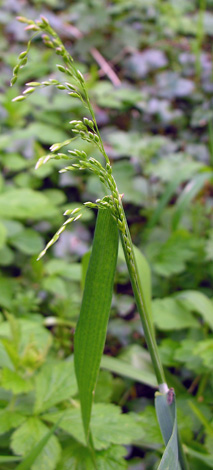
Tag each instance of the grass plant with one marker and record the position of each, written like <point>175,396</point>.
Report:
<point>111,221</point>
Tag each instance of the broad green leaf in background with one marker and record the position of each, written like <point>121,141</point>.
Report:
<point>13,227</point>
<point>38,445</point>
<point>5,360</point>
<point>189,192</point>
<point>6,256</point>
<point>148,421</point>
<point>92,325</point>
<point>15,162</point>
<point>186,354</point>
<point>170,314</point>
<point>173,167</point>
<point>30,331</point>
<point>166,414</point>
<point>7,290</point>
<point>3,235</point>
<point>61,376</point>
<point>204,350</point>
<point>78,457</point>
<point>199,303</point>
<point>9,420</point>
<point>56,286</point>
<point>71,271</point>
<point>108,425</point>
<point>24,204</point>
<point>104,387</point>
<point>44,133</point>
<point>28,241</point>
<point>170,257</point>
<point>12,380</point>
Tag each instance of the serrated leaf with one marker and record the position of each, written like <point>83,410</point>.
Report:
<point>31,332</point>
<point>92,325</point>
<point>171,257</point>
<point>61,376</point>
<point>11,380</point>
<point>70,271</point>
<point>186,354</point>
<point>78,457</point>
<point>35,442</point>
<point>108,425</point>
<point>9,420</point>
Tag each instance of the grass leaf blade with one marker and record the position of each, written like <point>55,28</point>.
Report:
<point>117,366</point>
<point>92,325</point>
<point>188,194</point>
<point>28,461</point>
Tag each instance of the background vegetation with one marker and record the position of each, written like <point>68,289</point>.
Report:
<point>154,107</point>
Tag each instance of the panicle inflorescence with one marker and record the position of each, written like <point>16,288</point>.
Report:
<point>86,129</point>
<point>50,39</point>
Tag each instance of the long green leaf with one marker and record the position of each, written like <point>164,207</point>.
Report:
<point>126,370</point>
<point>92,325</point>
<point>189,192</point>
<point>166,414</point>
<point>34,453</point>
<point>203,420</point>
<point>165,198</point>
<point>207,459</point>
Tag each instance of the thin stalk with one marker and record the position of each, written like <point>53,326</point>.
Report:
<point>102,149</point>
<point>141,305</point>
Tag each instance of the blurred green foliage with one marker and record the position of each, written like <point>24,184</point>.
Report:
<point>158,132</point>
